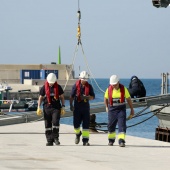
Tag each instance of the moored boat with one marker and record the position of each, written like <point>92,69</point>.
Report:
<point>163,130</point>
<point>26,104</point>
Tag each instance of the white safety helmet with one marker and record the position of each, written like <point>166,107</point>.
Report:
<point>84,75</point>
<point>51,78</point>
<point>114,79</point>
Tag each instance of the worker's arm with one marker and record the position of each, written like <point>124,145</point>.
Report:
<point>62,100</point>
<point>129,101</point>
<point>106,103</point>
<point>71,100</point>
<point>39,111</point>
<point>40,99</point>
<point>62,112</point>
<point>71,103</point>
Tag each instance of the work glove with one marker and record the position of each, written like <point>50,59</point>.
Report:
<point>107,109</point>
<point>39,111</point>
<point>71,108</point>
<point>62,112</point>
<point>129,117</point>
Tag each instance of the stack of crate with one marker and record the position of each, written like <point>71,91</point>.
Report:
<point>162,134</point>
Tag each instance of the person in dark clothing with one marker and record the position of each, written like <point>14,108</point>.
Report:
<point>136,88</point>
<point>50,94</point>
<point>81,93</point>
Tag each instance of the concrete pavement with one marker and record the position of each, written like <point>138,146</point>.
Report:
<point>22,146</point>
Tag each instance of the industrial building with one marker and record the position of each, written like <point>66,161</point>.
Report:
<point>28,79</point>
<point>15,74</point>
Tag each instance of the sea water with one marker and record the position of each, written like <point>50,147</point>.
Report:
<point>145,129</point>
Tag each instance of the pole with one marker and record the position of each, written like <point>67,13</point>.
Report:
<point>59,56</point>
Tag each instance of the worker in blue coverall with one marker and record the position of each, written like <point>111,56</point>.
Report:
<point>114,100</point>
<point>81,93</point>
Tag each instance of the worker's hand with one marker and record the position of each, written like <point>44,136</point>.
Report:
<point>107,109</point>
<point>62,112</point>
<point>129,117</point>
<point>83,97</point>
<point>39,111</point>
<point>71,108</point>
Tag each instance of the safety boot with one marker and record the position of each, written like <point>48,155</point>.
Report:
<point>56,141</point>
<point>77,139</point>
<point>122,144</point>
<point>86,144</point>
<point>49,144</point>
<point>110,143</point>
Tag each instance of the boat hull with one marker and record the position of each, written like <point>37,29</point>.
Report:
<point>163,116</point>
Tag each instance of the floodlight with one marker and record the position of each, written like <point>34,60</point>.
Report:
<point>160,3</point>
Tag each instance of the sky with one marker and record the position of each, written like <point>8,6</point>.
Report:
<point>118,37</point>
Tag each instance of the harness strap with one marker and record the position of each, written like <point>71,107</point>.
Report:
<point>122,94</point>
<point>78,84</point>
<point>47,91</point>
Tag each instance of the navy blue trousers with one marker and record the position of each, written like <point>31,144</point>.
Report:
<point>117,117</point>
<point>81,115</point>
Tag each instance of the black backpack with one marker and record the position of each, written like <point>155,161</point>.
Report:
<point>142,88</point>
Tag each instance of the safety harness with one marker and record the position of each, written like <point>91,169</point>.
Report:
<point>47,91</point>
<point>78,83</point>
<point>122,93</point>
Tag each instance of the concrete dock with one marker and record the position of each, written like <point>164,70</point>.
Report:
<point>22,146</point>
